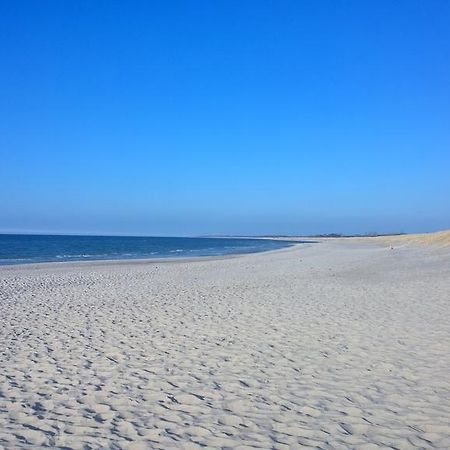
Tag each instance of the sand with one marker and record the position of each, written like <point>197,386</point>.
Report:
<point>440,238</point>
<point>337,345</point>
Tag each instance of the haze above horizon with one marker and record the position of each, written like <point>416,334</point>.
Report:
<point>244,118</point>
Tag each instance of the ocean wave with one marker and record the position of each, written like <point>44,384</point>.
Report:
<point>16,249</point>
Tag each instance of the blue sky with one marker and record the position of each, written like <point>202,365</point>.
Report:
<point>184,118</point>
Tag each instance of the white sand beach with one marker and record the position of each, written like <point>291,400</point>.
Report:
<point>344,344</point>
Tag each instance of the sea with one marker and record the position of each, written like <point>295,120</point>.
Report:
<point>28,248</point>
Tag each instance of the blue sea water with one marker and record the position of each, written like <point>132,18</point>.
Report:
<point>21,248</point>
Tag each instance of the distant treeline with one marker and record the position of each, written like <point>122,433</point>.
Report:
<point>334,235</point>
<point>326,235</point>
<point>373,234</point>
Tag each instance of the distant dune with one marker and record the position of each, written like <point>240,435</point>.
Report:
<point>441,238</point>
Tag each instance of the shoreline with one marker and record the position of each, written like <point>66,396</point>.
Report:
<point>126,254</point>
<point>437,239</point>
<point>137,261</point>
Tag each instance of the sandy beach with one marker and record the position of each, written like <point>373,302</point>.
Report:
<point>343,344</point>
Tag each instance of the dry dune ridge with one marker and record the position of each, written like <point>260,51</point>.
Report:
<point>441,238</point>
<point>342,344</point>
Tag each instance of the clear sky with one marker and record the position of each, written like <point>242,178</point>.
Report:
<point>249,117</point>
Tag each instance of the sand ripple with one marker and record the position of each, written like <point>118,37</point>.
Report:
<point>332,346</point>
